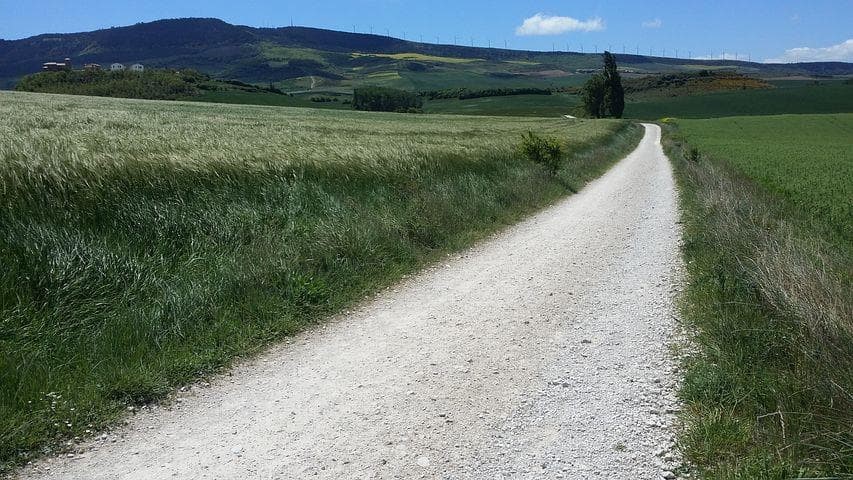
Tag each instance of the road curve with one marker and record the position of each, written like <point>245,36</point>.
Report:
<point>540,353</point>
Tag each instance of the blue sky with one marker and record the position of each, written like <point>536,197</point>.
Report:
<point>782,30</point>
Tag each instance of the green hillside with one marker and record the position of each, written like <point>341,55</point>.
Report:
<point>300,56</point>
<point>321,68</point>
<point>686,95</point>
<point>160,84</point>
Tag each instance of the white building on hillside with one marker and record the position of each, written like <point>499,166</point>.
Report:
<point>57,66</point>
<point>137,67</point>
<point>116,67</point>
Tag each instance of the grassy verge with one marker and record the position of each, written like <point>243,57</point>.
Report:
<point>769,394</point>
<point>147,243</point>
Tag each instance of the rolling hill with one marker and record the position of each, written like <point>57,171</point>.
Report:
<point>302,58</point>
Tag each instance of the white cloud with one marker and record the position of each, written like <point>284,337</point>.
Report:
<point>541,24</point>
<point>843,52</point>
<point>656,23</point>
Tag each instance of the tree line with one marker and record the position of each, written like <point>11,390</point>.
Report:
<point>465,93</point>
<point>383,99</point>
<point>150,84</point>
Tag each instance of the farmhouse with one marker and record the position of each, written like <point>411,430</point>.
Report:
<point>57,66</point>
<point>116,67</point>
<point>137,67</point>
<point>92,66</point>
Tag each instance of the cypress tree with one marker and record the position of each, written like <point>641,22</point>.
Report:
<point>614,93</point>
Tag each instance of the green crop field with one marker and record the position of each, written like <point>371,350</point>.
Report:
<point>555,105</point>
<point>145,243</point>
<point>270,99</point>
<point>805,159</point>
<point>461,77</point>
<point>768,247</point>
<point>790,97</point>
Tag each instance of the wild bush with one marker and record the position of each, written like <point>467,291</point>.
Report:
<point>593,97</point>
<point>693,154</point>
<point>545,151</point>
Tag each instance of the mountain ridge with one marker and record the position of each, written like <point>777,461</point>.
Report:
<point>254,54</point>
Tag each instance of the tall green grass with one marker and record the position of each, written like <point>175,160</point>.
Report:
<point>147,243</point>
<point>769,393</point>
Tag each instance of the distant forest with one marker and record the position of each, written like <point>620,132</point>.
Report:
<point>465,93</point>
<point>151,84</point>
<point>381,99</point>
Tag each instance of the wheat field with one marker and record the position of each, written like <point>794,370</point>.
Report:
<point>148,243</point>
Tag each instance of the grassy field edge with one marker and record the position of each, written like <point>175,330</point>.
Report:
<point>769,376</point>
<point>46,425</point>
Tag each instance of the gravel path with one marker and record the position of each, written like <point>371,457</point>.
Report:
<point>540,353</point>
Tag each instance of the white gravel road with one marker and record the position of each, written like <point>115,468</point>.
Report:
<point>540,353</point>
